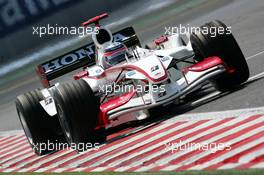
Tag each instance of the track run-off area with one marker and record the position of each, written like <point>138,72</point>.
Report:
<point>216,140</point>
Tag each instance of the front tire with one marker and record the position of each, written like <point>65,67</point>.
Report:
<point>226,47</point>
<point>42,131</point>
<point>78,110</point>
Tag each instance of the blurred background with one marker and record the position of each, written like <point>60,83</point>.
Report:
<point>17,17</point>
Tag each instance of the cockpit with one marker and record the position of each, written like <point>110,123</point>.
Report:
<point>114,54</point>
<point>110,53</point>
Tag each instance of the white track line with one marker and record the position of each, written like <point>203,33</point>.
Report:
<point>209,96</point>
<point>251,156</point>
<point>145,168</point>
<point>11,133</point>
<point>257,54</point>
<point>99,169</point>
<point>229,166</point>
<point>257,76</point>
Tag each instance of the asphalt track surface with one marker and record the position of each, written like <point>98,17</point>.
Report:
<point>246,19</point>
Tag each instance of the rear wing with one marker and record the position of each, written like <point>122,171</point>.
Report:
<point>81,57</point>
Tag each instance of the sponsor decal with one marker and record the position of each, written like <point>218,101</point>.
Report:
<point>163,59</point>
<point>98,71</point>
<point>154,68</point>
<point>48,101</point>
<point>131,73</point>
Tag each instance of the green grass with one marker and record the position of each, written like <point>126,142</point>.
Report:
<point>218,172</point>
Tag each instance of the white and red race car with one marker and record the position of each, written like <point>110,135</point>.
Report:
<point>121,81</point>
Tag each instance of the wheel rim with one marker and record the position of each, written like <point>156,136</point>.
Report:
<point>64,123</point>
<point>25,127</point>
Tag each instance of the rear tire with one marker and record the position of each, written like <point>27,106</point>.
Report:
<point>78,110</point>
<point>224,46</point>
<point>40,129</point>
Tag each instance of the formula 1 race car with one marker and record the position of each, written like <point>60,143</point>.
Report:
<point>121,81</point>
